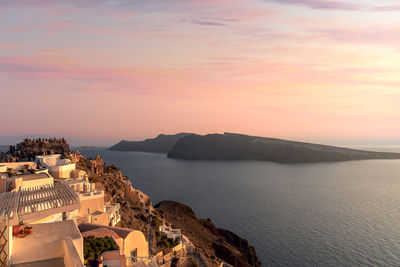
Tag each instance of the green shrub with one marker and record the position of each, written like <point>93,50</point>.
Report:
<point>97,245</point>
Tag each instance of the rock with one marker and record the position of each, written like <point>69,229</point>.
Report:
<point>161,144</point>
<point>97,165</point>
<point>242,147</point>
<point>213,242</point>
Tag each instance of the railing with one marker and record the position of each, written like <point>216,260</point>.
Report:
<point>141,262</point>
<point>113,207</point>
<point>92,193</point>
<point>205,260</point>
<point>191,250</point>
<point>116,219</point>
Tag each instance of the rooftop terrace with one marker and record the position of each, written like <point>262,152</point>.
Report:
<point>30,204</point>
<point>50,245</point>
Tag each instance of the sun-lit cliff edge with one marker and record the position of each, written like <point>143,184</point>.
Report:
<point>231,146</point>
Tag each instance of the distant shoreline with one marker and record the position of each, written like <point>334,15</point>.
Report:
<point>231,146</point>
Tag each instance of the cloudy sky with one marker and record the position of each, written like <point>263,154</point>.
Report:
<point>98,71</point>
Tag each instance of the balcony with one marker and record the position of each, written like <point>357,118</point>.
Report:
<point>92,194</point>
<point>113,208</point>
<point>113,213</point>
<point>141,262</point>
<point>117,218</point>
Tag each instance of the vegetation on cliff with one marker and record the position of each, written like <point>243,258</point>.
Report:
<point>242,147</point>
<point>93,246</point>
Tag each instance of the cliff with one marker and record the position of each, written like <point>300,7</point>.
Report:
<point>211,241</point>
<point>161,144</point>
<point>29,148</point>
<point>242,147</point>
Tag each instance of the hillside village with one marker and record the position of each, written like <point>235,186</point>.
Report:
<point>58,208</point>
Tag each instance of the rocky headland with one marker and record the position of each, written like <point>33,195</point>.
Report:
<point>161,144</point>
<point>215,243</point>
<point>231,146</point>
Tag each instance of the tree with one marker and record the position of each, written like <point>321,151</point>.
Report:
<point>97,245</point>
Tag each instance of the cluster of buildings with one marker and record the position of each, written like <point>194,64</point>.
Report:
<point>47,207</point>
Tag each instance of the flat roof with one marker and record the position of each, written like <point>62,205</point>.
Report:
<point>35,176</point>
<point>38,202</point>
<point>45,244</point>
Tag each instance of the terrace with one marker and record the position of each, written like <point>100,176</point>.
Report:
<point>36,203</point>
<point>92,194</point>
<point>48,243</point>
<point>113,211</point>
<point>170,232</point>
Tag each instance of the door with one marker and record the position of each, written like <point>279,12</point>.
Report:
<point>134,255</point>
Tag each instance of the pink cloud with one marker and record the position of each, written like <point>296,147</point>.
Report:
<point>45,51</point>
<point>97,78</point>
<point>7,45</point>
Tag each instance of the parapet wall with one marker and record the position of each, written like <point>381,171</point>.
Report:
<point>17,165</point>
<point>63,171</point>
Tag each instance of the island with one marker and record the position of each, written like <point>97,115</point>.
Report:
<point>231,146</point>
<point>161,144</point>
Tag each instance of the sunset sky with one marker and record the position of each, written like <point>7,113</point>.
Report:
<point>98,71</point>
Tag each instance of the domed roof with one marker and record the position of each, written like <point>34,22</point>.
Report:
<point>121,232</point>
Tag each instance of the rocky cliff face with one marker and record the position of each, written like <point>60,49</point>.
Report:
<point>242,147</point>
<point>215,243</point>
<point>161,144</point>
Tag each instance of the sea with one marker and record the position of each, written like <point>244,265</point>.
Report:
<point>314,214</point>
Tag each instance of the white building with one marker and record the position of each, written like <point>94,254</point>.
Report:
<point>170,232</point>
<point>58,167</point>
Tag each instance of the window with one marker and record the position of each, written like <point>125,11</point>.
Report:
<point>8,186</point>
<point>88,210</point>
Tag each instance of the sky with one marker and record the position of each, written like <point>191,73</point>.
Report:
<point>98,71</point>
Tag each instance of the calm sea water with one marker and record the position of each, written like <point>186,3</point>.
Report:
<point>323,214</point>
